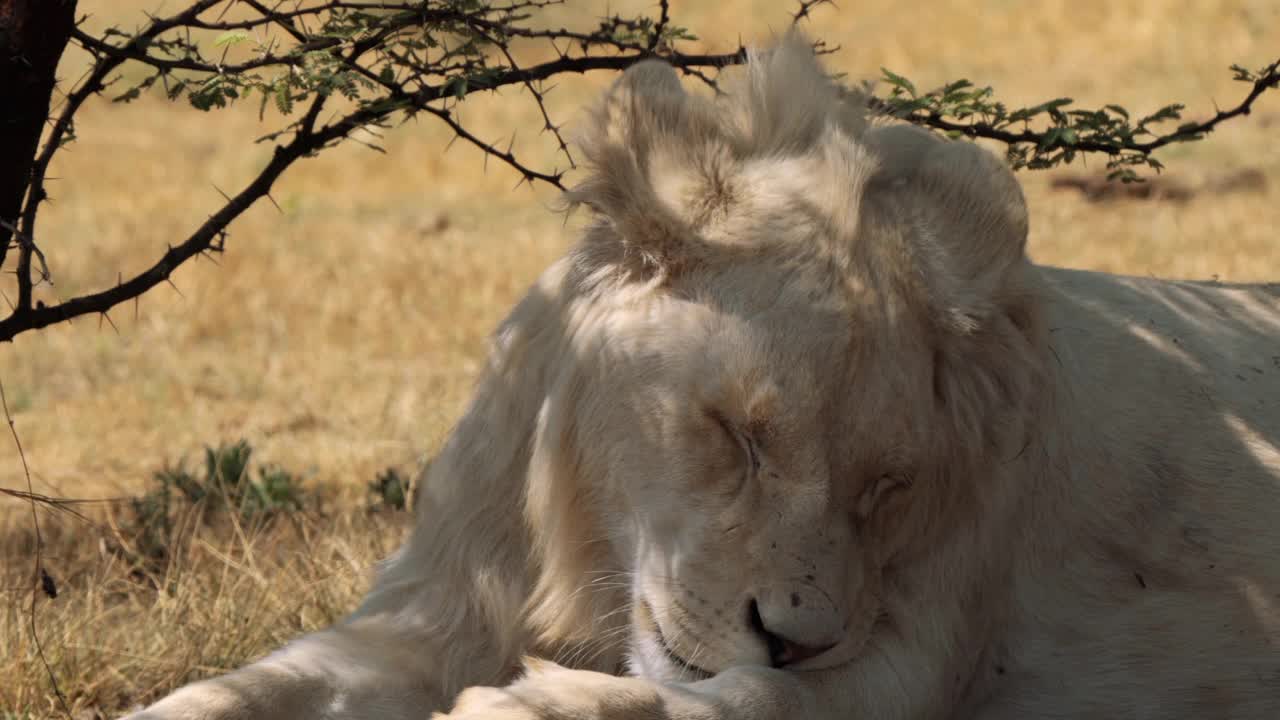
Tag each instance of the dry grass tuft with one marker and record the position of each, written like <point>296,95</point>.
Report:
<point>125,627</point>
<point>341,335</point>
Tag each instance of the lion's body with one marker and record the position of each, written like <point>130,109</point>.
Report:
<point>797,430</point>
<point>1147,582</point>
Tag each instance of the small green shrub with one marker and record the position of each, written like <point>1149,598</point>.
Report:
<point>389,490</point>
<point>226,486</point>
<point>276,490</point>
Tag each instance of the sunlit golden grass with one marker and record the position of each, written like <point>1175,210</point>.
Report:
<point>341,333</point>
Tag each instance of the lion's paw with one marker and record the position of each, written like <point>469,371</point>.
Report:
<point>491,703</point>
<point>550,692</point>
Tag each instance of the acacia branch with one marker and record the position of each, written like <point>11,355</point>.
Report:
<point>207,237</point>
<point>961,110</point>
<point>1270,78</point>
<point>493,25</point>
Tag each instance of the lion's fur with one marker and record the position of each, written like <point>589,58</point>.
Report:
<point>1015,491</point>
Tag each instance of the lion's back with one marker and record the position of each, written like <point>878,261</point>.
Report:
<point>1165,353</point>
<point>1174,516</point>
<point>1180,385</point>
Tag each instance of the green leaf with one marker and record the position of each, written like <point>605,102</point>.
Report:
<point>176,89</point>
<point>1048,139</point>
<point>1168,112</point>
<point>1118,111</point>
<point>1124,175</point>
<point>1049,107</point>
<point>231,37</point>
<point>898,81</point>
<point>1242,74</point>
<point>128,96</point>
<point>284,100</point>
<point>457,86</point>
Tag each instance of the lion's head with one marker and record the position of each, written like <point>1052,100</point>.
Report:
<point>797,342</point>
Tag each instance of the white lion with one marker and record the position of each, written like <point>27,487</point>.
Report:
<point>797,431</point>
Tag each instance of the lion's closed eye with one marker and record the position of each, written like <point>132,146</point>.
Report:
<point>876,492</point>
<point>742,447</point>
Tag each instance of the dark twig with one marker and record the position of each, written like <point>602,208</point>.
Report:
<point>89,86</point>
<point>806,9</point>
<point>199,241</point>
<point>664,17</point>
<point>63,505</point>
<point>527,173</point>
<point>38,572</point>
<point>547,125</point>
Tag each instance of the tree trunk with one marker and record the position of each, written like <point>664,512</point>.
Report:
<point>33,34</point>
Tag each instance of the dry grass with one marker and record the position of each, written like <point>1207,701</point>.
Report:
<point>341,335</point>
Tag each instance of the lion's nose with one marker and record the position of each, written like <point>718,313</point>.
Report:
<point>784,650</point>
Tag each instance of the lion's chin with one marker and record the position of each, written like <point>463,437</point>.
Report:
<point>652,658</point>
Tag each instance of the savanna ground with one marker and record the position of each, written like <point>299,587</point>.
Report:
<point>340,335</point>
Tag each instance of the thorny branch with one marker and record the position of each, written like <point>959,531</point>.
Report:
<point>392,60</point>
<point>962,110</point>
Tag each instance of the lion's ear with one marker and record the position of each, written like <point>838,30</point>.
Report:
<point>966,218</point>
<point>644,106</point>
<point>965,222</point>
<point>782,102</point>
<point>640,130</point>
<point>665,166</point>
